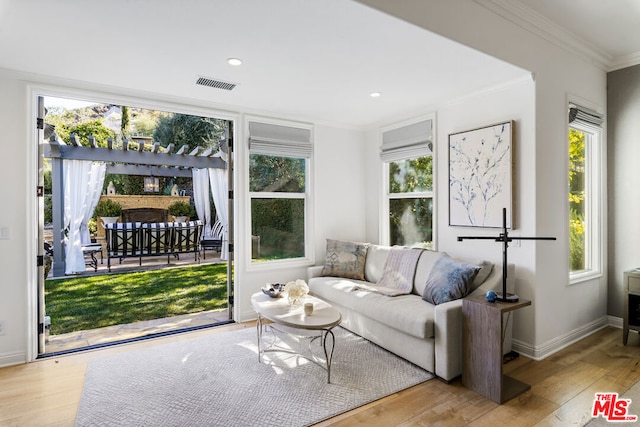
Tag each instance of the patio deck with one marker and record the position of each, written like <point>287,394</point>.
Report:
<point>110,334</point>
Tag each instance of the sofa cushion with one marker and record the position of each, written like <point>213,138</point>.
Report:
<point>374,265</point>
<point>405,313</point>
<point>345,259</point>
<point>449,280</point>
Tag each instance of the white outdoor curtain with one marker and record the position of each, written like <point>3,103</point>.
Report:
<point>220,191</point>
<point>82,182</point>
<point>201,199</point>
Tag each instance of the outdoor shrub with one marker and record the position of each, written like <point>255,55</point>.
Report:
<point>181,209</point>
<point>107,208</point>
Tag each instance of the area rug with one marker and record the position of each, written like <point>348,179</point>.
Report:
<point>218,381</point>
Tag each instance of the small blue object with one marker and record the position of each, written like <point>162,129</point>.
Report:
<point>492,296</point>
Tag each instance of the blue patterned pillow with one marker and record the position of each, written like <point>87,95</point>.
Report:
<point>345,259</point>
<point>449,280</point>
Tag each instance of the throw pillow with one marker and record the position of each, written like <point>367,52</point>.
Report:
<point>345,259</point>
<point>400,269</point>
<point>449,280</point>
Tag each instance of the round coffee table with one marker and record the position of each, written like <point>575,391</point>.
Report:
<point>278,311</point>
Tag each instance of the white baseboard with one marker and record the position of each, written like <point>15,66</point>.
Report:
<point>558,343</point>
<point>10,359</point>
<point>615,322</point>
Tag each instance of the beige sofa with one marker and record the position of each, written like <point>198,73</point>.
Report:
<point>421,332</point>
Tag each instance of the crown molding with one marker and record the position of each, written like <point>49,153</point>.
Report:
<point>538,24</point>
<point>625,61</point>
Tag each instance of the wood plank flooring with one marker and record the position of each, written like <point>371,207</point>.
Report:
<point>47,392</point>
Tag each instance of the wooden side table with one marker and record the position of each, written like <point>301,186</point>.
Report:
<point>631,313</point>
<point>482,339</point>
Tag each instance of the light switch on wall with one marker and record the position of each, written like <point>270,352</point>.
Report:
<point>4,233</point>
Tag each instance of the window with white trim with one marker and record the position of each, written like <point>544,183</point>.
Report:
<point>585,194</point>
<point>279,162</point>
<point>407,155</point>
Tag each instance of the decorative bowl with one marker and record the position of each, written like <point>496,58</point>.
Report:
<point>274,290</point>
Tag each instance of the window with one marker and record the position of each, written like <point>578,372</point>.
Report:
<point>279,158</point>
<point>408,169</point>
<point>585,194</point>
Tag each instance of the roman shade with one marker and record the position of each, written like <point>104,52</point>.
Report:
<point>414,140</point>
<point>279,140</point>
<point>583,115</point>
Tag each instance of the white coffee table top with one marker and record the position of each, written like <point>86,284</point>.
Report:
<point>278,310</point>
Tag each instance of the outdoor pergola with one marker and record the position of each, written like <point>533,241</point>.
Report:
<point>156,162</point>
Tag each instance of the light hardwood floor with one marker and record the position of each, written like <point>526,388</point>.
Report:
<point>47,392</point>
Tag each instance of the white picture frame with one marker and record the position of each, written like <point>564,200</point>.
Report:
<point>480,176</point>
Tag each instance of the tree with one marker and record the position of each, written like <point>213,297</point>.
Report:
<point>92,128</point>
<point>411,217</point>
<point>192,131</point>
<point>124,124</point>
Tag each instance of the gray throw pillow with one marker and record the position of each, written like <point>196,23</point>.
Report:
<point>449,280</point>
<point>345,259</point>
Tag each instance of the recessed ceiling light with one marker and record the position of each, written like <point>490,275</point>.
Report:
<point>234,61</point>
<point>375,94</point>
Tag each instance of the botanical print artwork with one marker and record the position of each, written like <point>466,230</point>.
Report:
<point>480,176</point>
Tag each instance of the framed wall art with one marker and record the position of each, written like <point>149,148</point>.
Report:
<point>480,176</point>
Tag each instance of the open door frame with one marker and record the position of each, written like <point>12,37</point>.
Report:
<point>40,216</point>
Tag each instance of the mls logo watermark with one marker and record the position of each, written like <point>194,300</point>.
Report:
<point>612,408</point>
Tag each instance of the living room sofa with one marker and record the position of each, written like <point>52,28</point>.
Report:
<point>354,279</point>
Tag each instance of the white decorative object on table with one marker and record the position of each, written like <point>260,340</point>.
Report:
<point>308,308</point>
<point>296,291</point>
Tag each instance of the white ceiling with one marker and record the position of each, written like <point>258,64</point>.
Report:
<point>302,58</point>
<point>611,27</point>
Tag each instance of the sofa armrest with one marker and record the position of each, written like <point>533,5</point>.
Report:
<point>314,271</point>
<point>448,326</point>
<point>448,339</point>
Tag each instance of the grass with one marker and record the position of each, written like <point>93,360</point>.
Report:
<point>82,303</point>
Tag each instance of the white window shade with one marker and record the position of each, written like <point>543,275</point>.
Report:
<point>414,140</point>
<point>279,140</point>
<point>578,114</point>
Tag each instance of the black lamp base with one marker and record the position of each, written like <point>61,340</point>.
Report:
<point>509,298</point>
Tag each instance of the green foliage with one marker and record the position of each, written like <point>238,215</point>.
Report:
<point>181,209</point>
<point>108,208</point>
<point>576,197</point>
<point>95,128</point>
<point>193,131</point>
<point>576,241</point>
<point>145,124</point>
<point>48,209</point>
<point>82,303</point>
<point>276,174</point>
<point>411,175</point>
<point>279,223</point>
<point>411,218</point>
<point>92,225</point>
<point>124,124</point>
<point>411,221</point>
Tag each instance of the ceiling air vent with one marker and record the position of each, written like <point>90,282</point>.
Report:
<point>218,84</point>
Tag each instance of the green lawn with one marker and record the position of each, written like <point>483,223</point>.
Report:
<point>82,303</point>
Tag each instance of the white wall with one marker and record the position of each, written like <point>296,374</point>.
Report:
<point>18,186</point>
<point>513,101</point>
<point>338,199</point>
<point>562,313</point>
<point>338,210</point>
